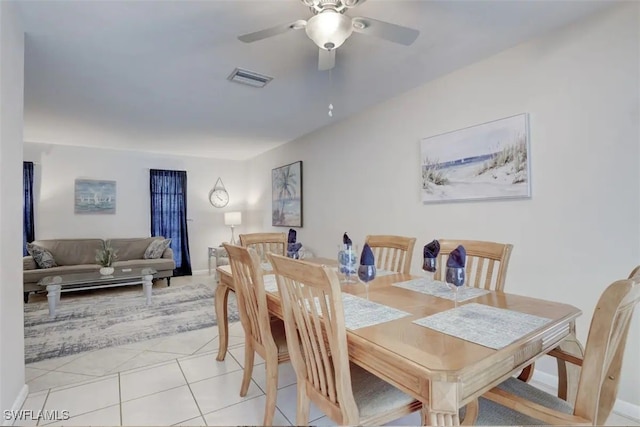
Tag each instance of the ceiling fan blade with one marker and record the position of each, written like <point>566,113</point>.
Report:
<point>326,59</point>
<point>385,30</point>
<point>273,31</point>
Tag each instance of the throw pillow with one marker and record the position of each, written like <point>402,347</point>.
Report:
<point>156,248</point>
<point>41,256</point>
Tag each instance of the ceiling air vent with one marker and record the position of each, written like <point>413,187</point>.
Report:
<point>250,78</point>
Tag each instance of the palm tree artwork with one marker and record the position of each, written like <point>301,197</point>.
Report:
<point>286,182</point>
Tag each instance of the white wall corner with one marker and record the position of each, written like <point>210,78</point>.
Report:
<point>17,404</point>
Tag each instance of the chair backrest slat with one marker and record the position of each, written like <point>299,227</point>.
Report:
<point>251,295</point>
<point>316,335</point>
<point>265,243</point>
<point>478,252</point>
<point>392,253</point>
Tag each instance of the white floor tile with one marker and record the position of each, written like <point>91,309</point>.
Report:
<point>149,381</point>
<point>32,373</point>
<point>109,416</point>
<point>287,402</point>
<point>145,359</point>
<point>201,367</point>
<point>34,402</point>
<point>185,343</point>
<point>56,379</point>
<point>209,347</point>
<point>85,398</point>
<point>197,421</point>
<point>236,329</point>
<point>99,362</point>
<point>160,409</point>
<point>286,375</point>
<point>52,364</point>
<point>250,412</point>
<point>238,354</point>
<point>221,391</point>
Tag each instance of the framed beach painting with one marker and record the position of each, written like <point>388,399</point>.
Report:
<point>286,195</point>
<point>95,197</point>
<point>487,161</point>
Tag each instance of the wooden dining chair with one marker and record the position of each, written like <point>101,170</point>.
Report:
<point>569,373</point>
<point>262,334</point>
<point>317,339</point>
<point>265,243</point>
<point>515,402</point>
<point>392,253</point>
<point>487,262</point>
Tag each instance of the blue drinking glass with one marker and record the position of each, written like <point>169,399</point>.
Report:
<point>429,265</point>
<point>456,277</point>
<point>367,273</point>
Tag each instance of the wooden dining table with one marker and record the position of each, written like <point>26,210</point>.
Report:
<point>440,370</point>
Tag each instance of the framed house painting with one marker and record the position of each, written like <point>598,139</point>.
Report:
<point>486,161</point>
<point>95,197</point>
<point>286,195</point>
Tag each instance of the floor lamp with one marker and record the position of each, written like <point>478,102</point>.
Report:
<point>232,219</point>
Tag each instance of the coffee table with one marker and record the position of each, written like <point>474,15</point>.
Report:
<point>55,285</point>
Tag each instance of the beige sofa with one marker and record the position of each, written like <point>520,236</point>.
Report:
<point>79,256</point>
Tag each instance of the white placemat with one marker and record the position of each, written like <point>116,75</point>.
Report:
<point>440,289</point>
<point>270,284</point>
<point>379,273</point>
<point>481,324</point>
<point>360,313</point>
<point>266,266</point>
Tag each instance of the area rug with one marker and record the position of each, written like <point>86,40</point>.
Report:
<point>87,322</point>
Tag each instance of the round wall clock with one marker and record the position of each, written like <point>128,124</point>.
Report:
<point>218,196</point>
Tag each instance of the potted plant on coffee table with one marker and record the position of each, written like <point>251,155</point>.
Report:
<point>105,257</point>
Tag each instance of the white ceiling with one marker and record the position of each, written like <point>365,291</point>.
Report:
<point>152,75</point>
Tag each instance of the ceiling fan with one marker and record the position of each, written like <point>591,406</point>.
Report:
<point>329,27</point>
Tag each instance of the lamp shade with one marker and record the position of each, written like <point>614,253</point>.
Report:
<point>233,218</point>
<point>329,29</point>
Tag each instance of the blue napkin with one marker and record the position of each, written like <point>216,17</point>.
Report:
<point>346,240</point>
<point>457,257</point>
<point>367,257</point>
<point>431,250</point>
<point>292,246</point>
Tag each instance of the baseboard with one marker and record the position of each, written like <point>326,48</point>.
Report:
<point>621,407</point>
<point>17,404</point>
<point>204,272</point>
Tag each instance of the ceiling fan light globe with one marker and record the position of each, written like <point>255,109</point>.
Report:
<point>329,29</point>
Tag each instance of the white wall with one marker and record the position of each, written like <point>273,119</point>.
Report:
<point>57,167</point>
<point>12,374</point>
<point>577,234</point>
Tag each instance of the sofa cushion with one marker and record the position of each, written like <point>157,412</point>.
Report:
<point>42,257</point>
<point>158,264</point>
<point>32,276</point>
<point>156,248</point>
<point>131,248</point>
<point>28,263</point>
<point>72,251</point>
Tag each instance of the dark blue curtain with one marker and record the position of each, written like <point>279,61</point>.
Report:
<point>28,228</point>
<point>169,214</point>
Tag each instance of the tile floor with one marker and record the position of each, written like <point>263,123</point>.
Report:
<point>167,381</point>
